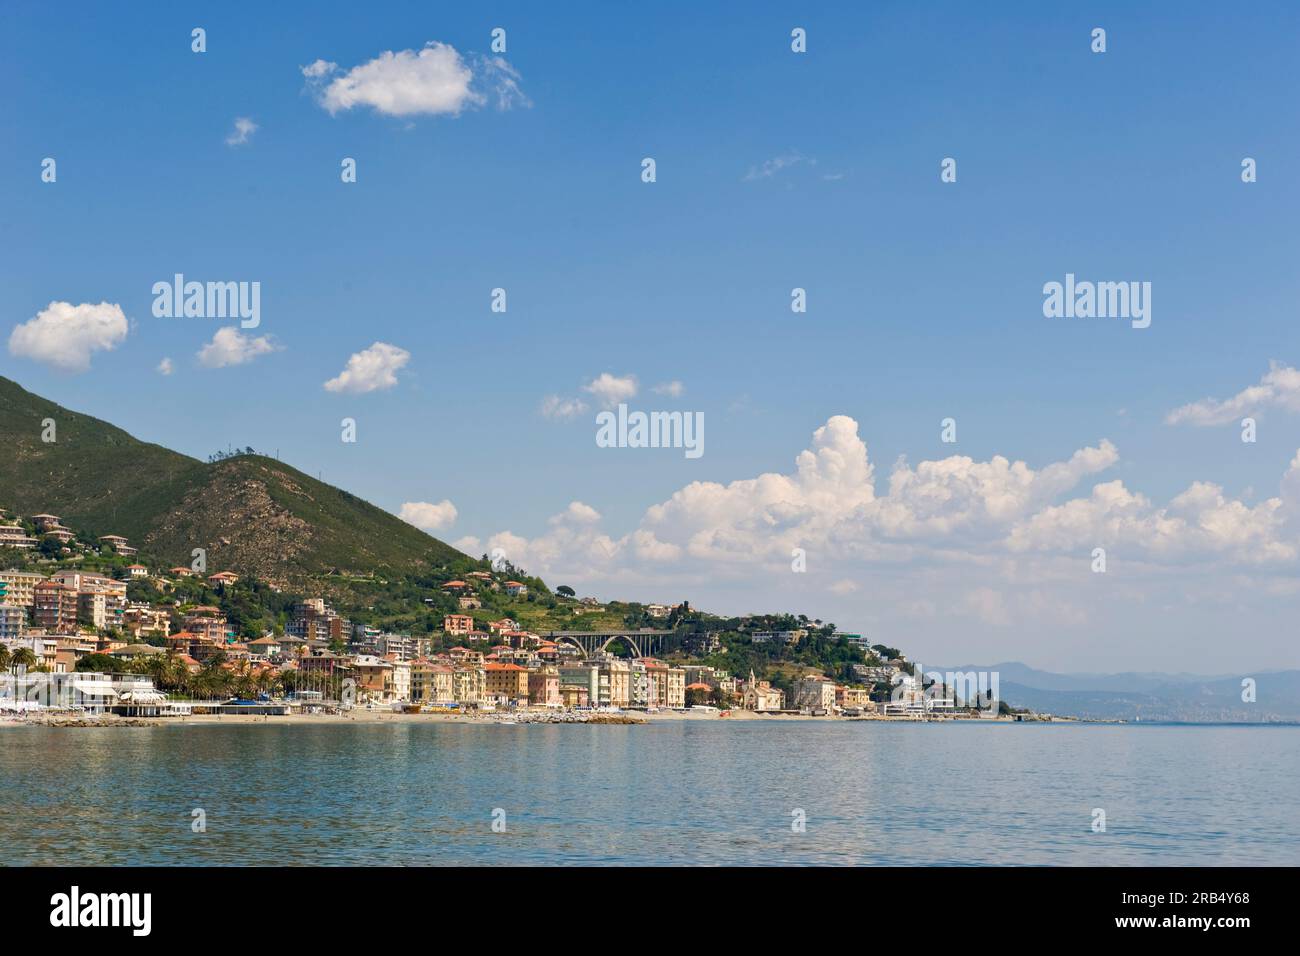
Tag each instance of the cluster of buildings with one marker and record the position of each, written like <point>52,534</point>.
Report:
<point>65,615</point>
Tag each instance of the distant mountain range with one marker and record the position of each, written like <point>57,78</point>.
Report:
<point>253,514</point>
<point>1146,696</point>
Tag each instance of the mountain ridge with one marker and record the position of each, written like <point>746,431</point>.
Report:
<point>250,513</point>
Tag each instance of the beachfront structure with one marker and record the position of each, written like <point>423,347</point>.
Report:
<point>374,677</point>
<point>544,688</point>
<point>469,684</point>
<point>507,681</point>
<point>667,685</point>
<point>432,683</point>
<point>614,684</point>
<point>760,695</point>
<point>583,676</point>
<point>859,697</point>
<point>86,691</point>
<point>816,693</point>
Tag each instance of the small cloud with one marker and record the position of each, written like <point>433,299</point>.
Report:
<point>469,545</point>
<point>370,370</point>
<point>64,336</point>
<point>165,367</point>
<point>610,390</point>
<point>673,389</point>
<point>314,71</point>
<point>429,517</point>
<point>844,586</point>
<point>777,164</point>
<point>230,346</point>
<point>435,80</point>
<point>562,409</point>
<point>244,128</point>
<point>576,513</point>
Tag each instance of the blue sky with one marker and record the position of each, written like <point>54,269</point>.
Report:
<point>925,298</point>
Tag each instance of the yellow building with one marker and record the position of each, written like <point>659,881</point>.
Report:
<point>21,591</point>
<point>506,680</point>
<point>432,683</point>
<point>468,684</point>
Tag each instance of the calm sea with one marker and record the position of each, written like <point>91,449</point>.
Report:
<point>667,793</point>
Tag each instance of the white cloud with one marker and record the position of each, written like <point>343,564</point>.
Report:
<point>429,517</point>
<point>64,336</point>
<point>230,346</point>
<point>673,389</point>
<point>244,129</point>
<point>769,168</point>
<point>960,557</point>
<point>1279,388</point>
<point>610,390</point>
<point>562,409</point>
<point>319,68</point>
<point>370,370</point>
<point>165,367</point>
<point>435,80</point>
<point>577,513</point>
<point>469,545</point>
<point>954,509</point>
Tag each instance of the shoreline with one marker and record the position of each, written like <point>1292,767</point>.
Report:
<point>525,718</point>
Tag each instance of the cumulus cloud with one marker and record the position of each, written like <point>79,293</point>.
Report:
<point>370,370</point>
<point>165,367</point>
<point>562,409</point>
<point>427,516</point>
<point>434,80</point>
<point>64,336</point>
<point>993,513</point>
<point>1279,388</point>
<point>243,130</point>
<point>469,545</point>
<point>230,346</point>
<point>609,390</point>
<point>673,389</point>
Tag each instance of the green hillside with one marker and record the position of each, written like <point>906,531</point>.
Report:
<point>251,513</point>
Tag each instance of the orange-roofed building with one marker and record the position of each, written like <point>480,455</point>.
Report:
<point>506,680</point>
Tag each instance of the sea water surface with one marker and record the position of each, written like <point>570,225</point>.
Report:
<point>670,792</point>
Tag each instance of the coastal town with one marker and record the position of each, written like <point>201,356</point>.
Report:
<point>87,628</point>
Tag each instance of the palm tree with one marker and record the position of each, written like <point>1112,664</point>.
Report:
<point>5,657</point>
<point>22,657</point>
